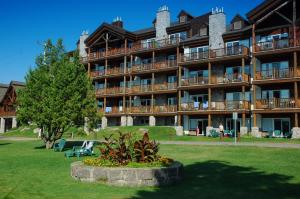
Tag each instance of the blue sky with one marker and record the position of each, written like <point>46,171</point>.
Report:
<point>26,24</point>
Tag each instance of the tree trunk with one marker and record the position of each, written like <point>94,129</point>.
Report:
<point>49,144</point>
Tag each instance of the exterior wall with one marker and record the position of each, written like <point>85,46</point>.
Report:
<point>217,26</point>
<point>163,20</point>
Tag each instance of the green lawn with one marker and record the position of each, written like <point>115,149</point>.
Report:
<point>157,133</point>
<point>30,171</point>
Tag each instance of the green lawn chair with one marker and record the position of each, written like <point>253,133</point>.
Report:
<point>85,150</point>
<point>227,133</point>
<point>214,133</point>
<point>277,134</point>
<point>60,145</point>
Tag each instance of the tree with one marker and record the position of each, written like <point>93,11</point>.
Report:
<point>58,93</point>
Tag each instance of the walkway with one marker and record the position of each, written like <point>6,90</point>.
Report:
<point>247,144</point>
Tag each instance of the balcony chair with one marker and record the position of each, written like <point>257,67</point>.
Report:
<point>277,134</point>
<point>60,145</point>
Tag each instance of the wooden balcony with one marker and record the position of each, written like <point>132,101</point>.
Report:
<point>193,106</point>
<point>115,110</point>
<point>277,103</point>
<point>100,91</point>
<point>275,45</point>
<point>156,66</point>
<point>155,44</point>
<point>194,81</point>
<point>165,108</point>
<point>96,55</point>
<point>97,73</point>
<point>115,71</point>
<point>277,74</point>
<point>165,86</point>
<point>115,91</point>
<point>140,88</point>
<point>230,105</point>
<point>141,109</point>
<point>214,54</point>
<point>230,79</point>
<point>7,113</point>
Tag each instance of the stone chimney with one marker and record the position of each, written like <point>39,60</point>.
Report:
<point>81,45</point>
<point>118,22</point>
<point>217,27</point>
<point>163,20</point>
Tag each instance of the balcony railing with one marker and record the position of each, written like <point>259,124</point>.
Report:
<point>276,103</point>
<point>154,66</point>
<point>216,53</point>
<point>230,105</point>
<point>138,46</point>
<point>115,71</point>
<point>165,86</point>
<point>277,74</point>
<point>228,79</point>
<point>140,88</point>
<point>274,45</point>
<point>115,90</point>
<point>7,113</point>
<point>165,108</point>
<point>192,81</point>
<point>141,109</point>
<point>115,110</point>
<point>194,106</point>
<point>115,51</point>
<point>97,73</point>
<point>100,91</point>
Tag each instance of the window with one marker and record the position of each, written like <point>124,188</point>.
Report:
<point>203,31</point>
<point>237,25</point>
<point>172,101</point>
<point>180,35</point>
<point>182,19</point>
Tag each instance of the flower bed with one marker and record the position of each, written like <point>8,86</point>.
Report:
<point>127,176</point>
<point>129,161</point>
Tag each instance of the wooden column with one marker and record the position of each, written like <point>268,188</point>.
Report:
<point>209,73</point>
<point>105,67</point>
<point>243,114</point>
<point>296,120</point>
<point>130,103</point>
<point>124,103</point>
<point>153,59</point>
<point>209,98</point>
<point>105,85</point>
<point>295,63</point>
<point>253,38</point>
<point>296,92</point>
<point>179,100</point>
<point>177,55</point>
<point>89,69</point>
<point>254,119</point>
<point>243,68</point>
<point>125,46</point>
<point>152,82</point>
<point>294,23</point>
<point>179,76</point>
<point>104,103</point>
<point>244,119</point>
<point>243,93</point>
<point>209,119</point>
<point>152,103</point>
<point>178,120</point>
<point>106,43</point>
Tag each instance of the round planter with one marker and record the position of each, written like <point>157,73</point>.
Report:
<point>123,176</point>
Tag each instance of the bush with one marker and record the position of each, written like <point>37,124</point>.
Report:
<point>127,149</point>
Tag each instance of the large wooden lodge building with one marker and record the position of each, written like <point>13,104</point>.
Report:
<point>196,71</point>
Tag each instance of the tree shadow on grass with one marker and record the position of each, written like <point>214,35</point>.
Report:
<point>3,144</point>
<point>215,179</point>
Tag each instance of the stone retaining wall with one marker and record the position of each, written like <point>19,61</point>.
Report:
<point>122,176</point>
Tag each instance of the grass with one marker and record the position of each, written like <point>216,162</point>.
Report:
<point>30,171</point>
<point>157,133</point>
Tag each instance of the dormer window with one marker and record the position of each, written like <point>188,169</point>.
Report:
<point>237,25</point>
<point>203,31</point>
<point>182,19</point>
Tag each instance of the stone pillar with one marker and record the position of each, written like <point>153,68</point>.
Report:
<point>295,133</point>
<point>255,132</point>
<point>14,122</point>
<point>129,121</point>
<point>86,125</point>
<point>179,130</point>
<point>123,120</point>
<point>151,120</point>
<point>104,122</point>
<point>2,125</point>
<point>243,130</point>
<point>208,128</point>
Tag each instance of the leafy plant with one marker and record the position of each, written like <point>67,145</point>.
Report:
<point>145,150</point>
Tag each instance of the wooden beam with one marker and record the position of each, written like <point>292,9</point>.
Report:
<point>209,73</point>
<point>270,13</point>
<point>254,120</point>
<point>296,120</point>
<point>243,119</point>
<point>209,120</point>
<point>253,38</point>
<point>296,90</point>
<point>284,17</point>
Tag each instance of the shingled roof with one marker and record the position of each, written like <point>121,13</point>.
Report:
<point>3,89</point>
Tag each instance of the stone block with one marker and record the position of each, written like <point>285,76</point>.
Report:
<point>208,128</point>
<point>152,120</point>
<point>179,130</point>
<point>255,132</point>
<point>296,133</point>
<point>123,120</point>
<point>104,122</point>
<point>129,121</point>
<point>243,130</point>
